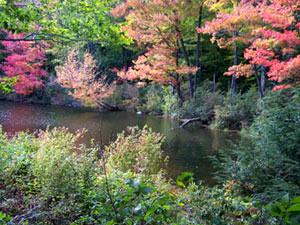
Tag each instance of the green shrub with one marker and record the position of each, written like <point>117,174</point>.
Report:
<point>203,104</point>
<point>278,124</point>
<point>212,206</point>
<point>62,182</point>
<point>154,100</point>
<point>4,219</point>
<point>15,160</point>
<point>125,97</point>
<point>266,165</point>
<point>287,210</point>
<point>237,112</point>
<point>59,166</point>
<point>127,198</point>
<point>138,151</point>
<point>171,106</point>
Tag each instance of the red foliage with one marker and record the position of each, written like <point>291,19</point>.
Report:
<point>276,41</point>
<point>24,62</point>
<point>271,30</point>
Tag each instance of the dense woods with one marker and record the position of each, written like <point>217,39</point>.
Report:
<point>225,64</point>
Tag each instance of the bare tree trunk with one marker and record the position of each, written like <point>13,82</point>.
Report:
<point>235,63</point>
<point>214,80</point>
<point>179,94</point>
<point>180,97</point>
<point>198,49</point>
<point>261,94</point>
<point>263,78</point>
<point>187,60</point>
<point>171,89</point>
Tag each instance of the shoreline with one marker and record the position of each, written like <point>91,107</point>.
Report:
<point>75,105</point>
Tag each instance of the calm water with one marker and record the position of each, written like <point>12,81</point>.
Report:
<point>187,148</point>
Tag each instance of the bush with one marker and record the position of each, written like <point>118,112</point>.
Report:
<point>267,165</point>
<point>287,210</point>
<point>278,124</point>
<point>42,172</point>
<point>139,151</point>
<point>203,104</point>
<point>125,97</point>
<point>57,181</point>
<point>237,112</point>
<point>171,106</point>
<point>59,166</point>
<point>153,100</point>
<point>127,198</point>
<point>15,161</point>
<point>215,205</point>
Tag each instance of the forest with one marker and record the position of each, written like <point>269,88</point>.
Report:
<point>230,65</point>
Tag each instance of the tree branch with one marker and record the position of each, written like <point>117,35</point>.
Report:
<point>48,37</point>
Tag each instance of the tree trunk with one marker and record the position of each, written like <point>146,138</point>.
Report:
<point>198,49</point>
<point>261,94</point>
<point>263,78</point>
<point>187,60</point>
<point>180,97</point>
<point>179,94</point>
<point>171,89</point>
<point>214,80</point>
<point>190,121</point>
<point>235,63</point>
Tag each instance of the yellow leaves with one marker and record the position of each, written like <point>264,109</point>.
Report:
<point>99,178</point>
<point>221,5</point>
<point>230,186</point>
<point>240,70</point>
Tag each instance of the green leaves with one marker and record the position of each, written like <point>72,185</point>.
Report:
<point>6,84</point>
<point>4,219</point>
<point>64,20</point>
<point>139,188</point>
<point>286,209</point>
<point>184,178</point>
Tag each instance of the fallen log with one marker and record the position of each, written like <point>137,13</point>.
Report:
<point>108,107</point>
<point>186,122</point>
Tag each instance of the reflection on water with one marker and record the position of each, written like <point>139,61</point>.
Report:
<point>187,148</point>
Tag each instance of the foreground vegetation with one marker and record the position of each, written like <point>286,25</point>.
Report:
<point>48,178</point>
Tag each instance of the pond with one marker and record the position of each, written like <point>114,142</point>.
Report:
<point>187,148</point>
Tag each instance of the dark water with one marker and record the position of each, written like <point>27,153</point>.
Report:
<point>187,148</point>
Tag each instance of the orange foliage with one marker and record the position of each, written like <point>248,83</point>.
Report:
<point>154,25</point>
<point>80,77</point>
<point>240,70</point>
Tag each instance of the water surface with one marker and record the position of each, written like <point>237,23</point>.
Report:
<point>187,148</point>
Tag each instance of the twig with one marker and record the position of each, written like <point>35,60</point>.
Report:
<point>27,216</point>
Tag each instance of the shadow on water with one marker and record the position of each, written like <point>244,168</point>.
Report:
<point>187,148</point>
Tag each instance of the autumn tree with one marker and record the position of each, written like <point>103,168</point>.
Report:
<point>276,41</point>
<point>230,27</point>
<point>80,77</point>
<point>24,64</point>
<point>271,31</point>
<point>156,28</point>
